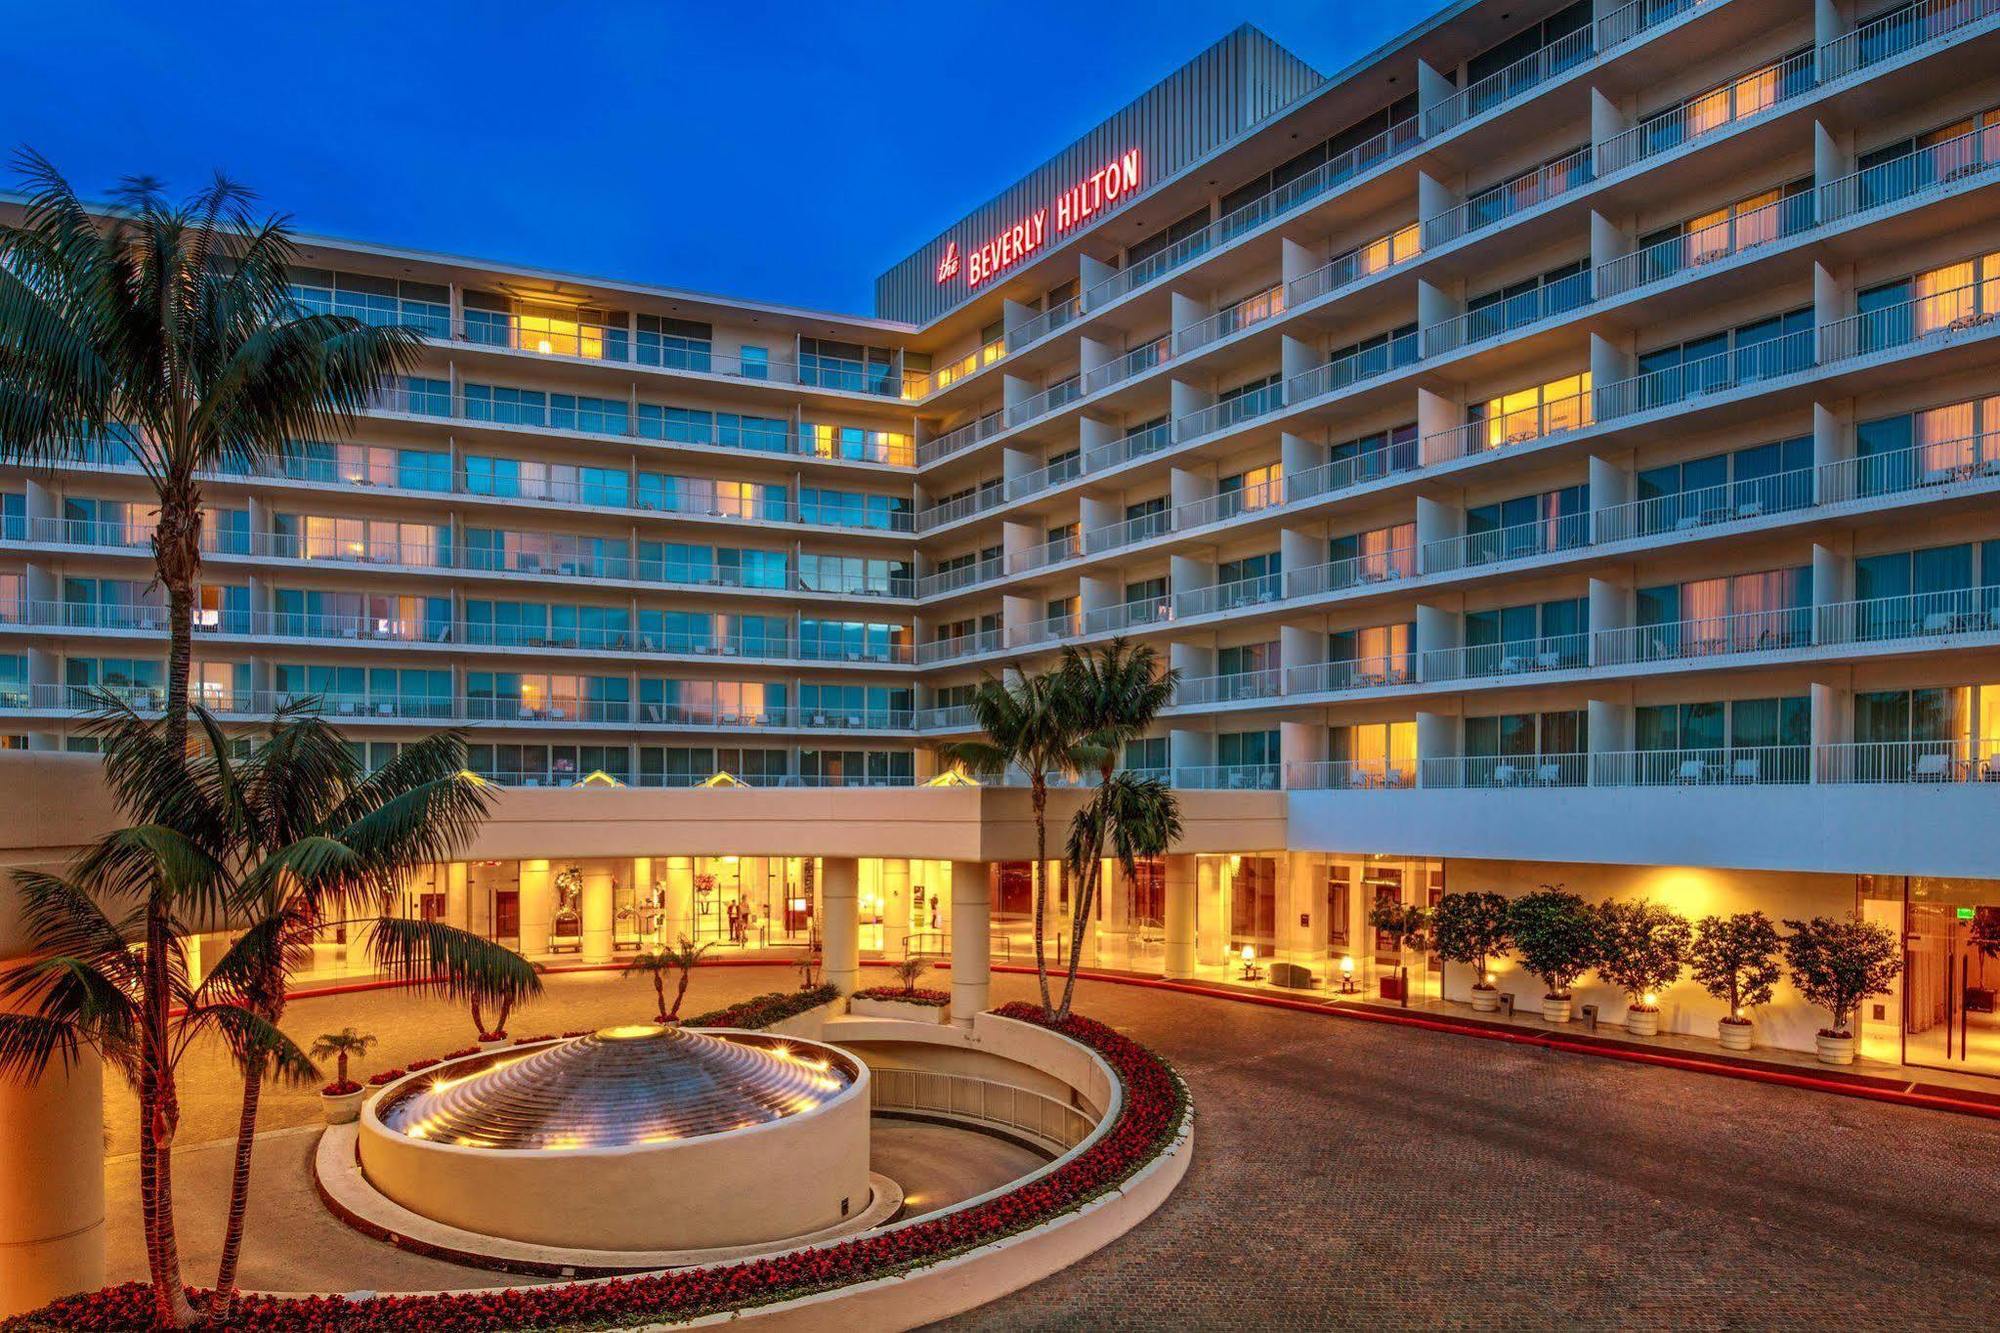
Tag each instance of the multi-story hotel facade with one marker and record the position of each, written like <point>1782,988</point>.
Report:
<point>1561,447</point>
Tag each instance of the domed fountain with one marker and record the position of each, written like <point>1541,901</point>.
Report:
<point>639,1138</point>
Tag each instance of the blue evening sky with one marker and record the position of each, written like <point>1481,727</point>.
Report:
<point>775,150</point>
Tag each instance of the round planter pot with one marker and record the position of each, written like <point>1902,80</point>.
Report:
<point>1642,1022</point>
<point>1834,1050</point>
<point>498,1043</point>
<point>1735,1036</point>
<point>342,1108</point>
<point>1555,1008</point>
<point>1485,1000</point>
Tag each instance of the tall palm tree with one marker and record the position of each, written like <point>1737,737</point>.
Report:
<point>85,985</point>
<point>1131,818</point>
<point>1116,693</point>
<point>311,843</point>
<point>1030,724</point>
<point>173,326</point>
<point>682,957</point>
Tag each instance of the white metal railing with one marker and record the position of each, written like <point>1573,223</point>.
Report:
<point>1732,236</point>
<point>1398,138</point>
<point>1974,459</point>
<point>1549,652</point>
<point>1132,361</point>
<point>1926,171</point>
<point>1125,448</point>
<point>1231,687</point>
<point>1929,761</point>
<point>1356,367</point>
<point>1355,571</point>
<point>1224,505</point>
<point>1747,95</point>
<point>961,438</point>
<point>1702,766</point>
<point>1622,25</point>
<point>1778,629</point>
<point>963,1096</point>
<point>1362,262</point>
<point>1350,775</point>
<point>1706,506</point>
<point>1899,32</point>
<point>1920,615</point>
<point>963,645</point>
<point>1223,777</point>
<point>953,717</point>
<point>1246,313</point>
<point>1946,316</point>
<point>1041,404</point>
<point>1504,770</point>
<point>1508,315</point>
<point>1260,590</point>
<point>1500,202</point>
<point>1374,672</point>
<point>1229,412</point>
<point>1787,354</point>
<point>1519,541</point>
<point>1339,474</point>
<point>961,576</point>
<point>1037,327</point>
<point>1127,615</point>
<point>1565,53</point>
<point>1127,532</point>
<point>1053,629</point>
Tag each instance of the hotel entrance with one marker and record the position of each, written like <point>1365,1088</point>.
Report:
<point>1951,970</point>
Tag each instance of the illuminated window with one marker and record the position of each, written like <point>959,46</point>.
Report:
<point>1542,409</point>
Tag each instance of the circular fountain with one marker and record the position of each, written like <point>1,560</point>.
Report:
<point>640,1138</point>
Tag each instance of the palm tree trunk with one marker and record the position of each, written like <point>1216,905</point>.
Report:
<point>660,995</point>
<point>1040,794</point>
<point>239,1191</point>
<point>1087,890</point>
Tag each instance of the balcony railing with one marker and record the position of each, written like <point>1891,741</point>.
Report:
<point>1122,616</point>
<point>1925,171</point>
<point>1549,652</point>
<point>1351,775</point>
<point>1934,762</point>
<point>1354,368</point>
<point>1702,766</point>
<point>1518,542</point>
<point>1922,615</point>
<point>1732,236</point>
<point>1230,687</point>
<point>1259,591</point>
<point>1048,400</point>
<point>1929,762</point>
<point>1504,770</point>
<point>1711,113</point>
<point>962,645</point>
<point>1353,572</point>
<point>1900,32</point>
<point>1779,629</point>
<point>1565,53</point>
<point>1133,361</point>
<point>1495,205</point>
<point>1622,25</point>
<point>1375,672</point>
<point>1247,313</point>
<point>960,438</point>
<point>1706,506</point>
<point>1508,315</point>
<point>600,342</point>
<point>1222,777</point>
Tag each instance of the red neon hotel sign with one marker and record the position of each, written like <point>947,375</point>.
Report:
<point>1096,193</point>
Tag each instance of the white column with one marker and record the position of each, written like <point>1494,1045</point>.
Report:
<point>52,1178</point>
<point>596,908</point>
<point>1179,875</point>
<point>537,907</point>
<point>1090,271</point>
<point>840,927</point>
<point>971,941</point>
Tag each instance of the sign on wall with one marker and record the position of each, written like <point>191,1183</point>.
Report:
<point>1095,194</point>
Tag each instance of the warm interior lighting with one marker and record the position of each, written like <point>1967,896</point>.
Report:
<point>1249,954</point>
<point>598,778</point>
<point>629,1032</point>
<point>954,777</point>
<point>1347,965</point>
<point>722,778</point>
<point>1650,1000</point>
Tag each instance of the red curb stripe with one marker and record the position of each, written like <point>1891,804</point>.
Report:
<point>1688,1063</point>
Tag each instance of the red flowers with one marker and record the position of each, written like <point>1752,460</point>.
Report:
<point>385,1078</point>
<point>936,999</point>
<point>1154,1102</point>
<point>339,1089</point>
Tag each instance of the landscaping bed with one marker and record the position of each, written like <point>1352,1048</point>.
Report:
<point>1150,1117</point>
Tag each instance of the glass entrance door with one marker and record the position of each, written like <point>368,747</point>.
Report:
<point>1951,976</point>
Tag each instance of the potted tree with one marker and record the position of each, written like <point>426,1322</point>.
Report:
<point>1838,965</point>
<point>904,1000</point>
<point>1406,924</point>
<point>1471,928</point>
<point>1642,948</point>
<point>1555,933</point>
<point>1735,959</point>
<point>341,1099</point>
<point>682,958</point>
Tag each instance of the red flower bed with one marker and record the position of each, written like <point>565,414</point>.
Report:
<point>339,1089</point>
<point>1154,1102</point>
<point>937,999</point>
<point>385,1078</point>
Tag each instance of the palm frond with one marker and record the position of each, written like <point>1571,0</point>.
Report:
<point>448,962</point>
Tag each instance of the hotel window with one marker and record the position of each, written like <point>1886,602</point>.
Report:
<point>1952,296</point>
<point>1731,229</point>
<point>1146,754</point>
<point>855,575</point>
<point>1386,251</point>
<point>1374,754</point>
<point>1376,655</point>
<point>1376,455</point>
<point>371,300</point>
<point>754,363</point>
<point>1777,345</point>
<point>1371,356</point>
<point>857,768</point>
<point>1249,579</point>
<point>1928,591</point>
<point>1763,479</point>
<point>1550,748</point>
<point>14,517</point>
<point>95,603</point>
<point>1942,154</point>
<point>1365,135</point>
<point>1064,612</point>
<point>1727,102</point>
<point>1339,900</point>
<point>13,598</point>
<point>1740,613</point>
<point>829,364</point>
<point>363,465</point>
<point>415,395</point>
<point>1246,749</point>
<point>853,641</point>
<point>14,689</point>
<point>1191,225</point>
<point>1147,518</point>
<point>1252,488</point>
<point>1253,903</point>
<point>372,541</point>
<point>856,705</point>
<point>599,335</point>
<point>676,344</point>
<point>1374,555</point>
<point>1564,22</point>
<point>92,522</point>
<point>1527,414</point>
<point>1940,444</point>
<point>1741,723</point>
<point>852,509</point>
<point>1527,525</point>
<point>1541,635</point>
<point>1562,288</point>
<point>1250,399</point>
<point>1557,175</point>
<point>1149,594</point>
<point>138,681</point>
<point>856,443</point>
<point>1146,436</point>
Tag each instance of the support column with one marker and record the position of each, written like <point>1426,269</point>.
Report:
<point>840,927</point>
<point>537,907</point>
<point>971,940</point>
<point>596,908</point>
<point>52,1177</point>
<point>1179,875</point>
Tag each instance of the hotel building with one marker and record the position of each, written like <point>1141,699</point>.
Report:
<point>1560,447</point>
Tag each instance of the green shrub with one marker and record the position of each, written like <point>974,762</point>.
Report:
<point>1470,928</point>
<point>1642,947</point>
<point>1555,933</point>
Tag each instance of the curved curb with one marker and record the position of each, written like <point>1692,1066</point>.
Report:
<point>1693,1064</point>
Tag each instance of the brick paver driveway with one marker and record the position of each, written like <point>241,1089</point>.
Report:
<point>1348,1174</point>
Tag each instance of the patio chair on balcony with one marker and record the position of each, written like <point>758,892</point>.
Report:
<point>1748,769</point>
<point>1933,767</point>
<point>1505,775</point>
<point>1549,775</point>
<point>1691,771</point>
<point>1357,777</point>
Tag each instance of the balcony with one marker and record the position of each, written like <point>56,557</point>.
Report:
<point>1510,315</point>
<point>1749,95</point>
<point>1232,687</point>
<point>1780,629</point>
<point>585,341</point>
<point>1550,652</point>
<point>1374,672</point>
<point>1496,90</point>
<point>1493,206</point>
<point>1350,775</point>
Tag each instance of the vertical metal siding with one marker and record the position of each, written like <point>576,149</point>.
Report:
<point>1214,98</point>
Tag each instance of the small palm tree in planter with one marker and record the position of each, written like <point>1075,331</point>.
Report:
<point>1472,928</point>
<point>1408,927</point>
<point>1555,933</point>
<point>904,1000</point>
<point>683,957</point>
<point>1735,959</point>
<point>341,1099</point>
<point>1838,965</point>
<point>1642,950</point>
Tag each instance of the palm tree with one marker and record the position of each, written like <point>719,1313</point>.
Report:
<point>171,326</point>
<point>1131,817</point>
<point>342,1046</point>
<point>85,985</point>
<point>683,958</point>
<point>1115,694</point>
<point>311,842</point>
<point>1030,724</point>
